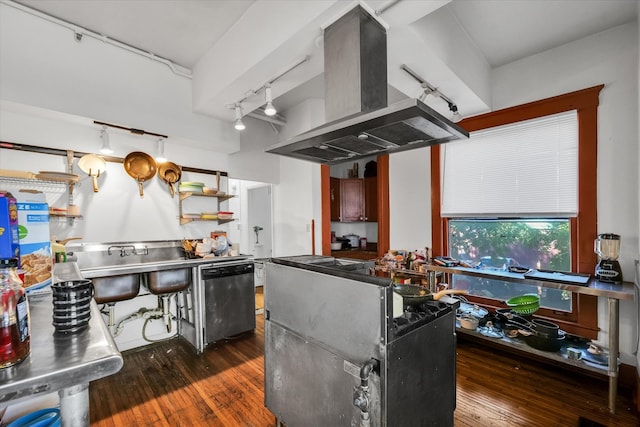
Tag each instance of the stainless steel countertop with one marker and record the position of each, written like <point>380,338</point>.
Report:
<point>59,361</point>
<point>114,270</point>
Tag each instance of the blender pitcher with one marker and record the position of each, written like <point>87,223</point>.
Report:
<point>607,247</point>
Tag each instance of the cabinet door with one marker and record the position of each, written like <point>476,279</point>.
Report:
<point>371,199</point>
<point>351,200</point>
<point>334,197</point>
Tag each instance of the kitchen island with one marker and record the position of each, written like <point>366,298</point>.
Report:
<point>65,363</point>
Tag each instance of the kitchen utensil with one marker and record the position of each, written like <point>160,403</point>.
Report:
<point>170,173</point>
<point>524,304</point>
<point>473,310</point>
<point>414,294</point>
<point>141,167</point>
<point>468,321</point>
<point>354,240</point>
<point>607,247</point>
<point>540,334</point>
<point>58,176</point>
<point>93,166</point>
<point>336,246</point>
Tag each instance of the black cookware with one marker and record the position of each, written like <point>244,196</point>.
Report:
<point>539,334</point>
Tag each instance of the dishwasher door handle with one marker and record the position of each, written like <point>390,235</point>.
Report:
<point>226,271</point>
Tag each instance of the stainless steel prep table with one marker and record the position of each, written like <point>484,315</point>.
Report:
<point>614,292</point>
<point>63,363</point>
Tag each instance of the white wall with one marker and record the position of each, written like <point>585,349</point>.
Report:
<point>42,64</point>
<point>116,212</point>
<point>297,199</point>
<point>410,199</point>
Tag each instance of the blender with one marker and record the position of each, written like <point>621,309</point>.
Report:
<point>607,247</point>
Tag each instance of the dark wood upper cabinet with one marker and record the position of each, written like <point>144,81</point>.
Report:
<point>351,200</point>
<point>371,199</point>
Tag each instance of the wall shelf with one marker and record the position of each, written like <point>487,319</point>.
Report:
<point>47,186</point>
<point>182,196</point>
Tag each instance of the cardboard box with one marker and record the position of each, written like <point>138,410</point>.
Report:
<point>9,242</point>
<point>35,241</point>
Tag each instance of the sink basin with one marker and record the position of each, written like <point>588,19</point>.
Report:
<point>115,288</point>
<point>167,281</point>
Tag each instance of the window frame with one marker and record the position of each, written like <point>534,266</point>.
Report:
<point>583,320</point>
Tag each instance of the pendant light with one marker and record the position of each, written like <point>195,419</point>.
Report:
<point>104,137</point>
<point>160,158</point>
<point>238,124</point>
<point>269,109</point>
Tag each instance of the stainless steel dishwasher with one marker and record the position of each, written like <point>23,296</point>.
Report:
<point>229,302</point>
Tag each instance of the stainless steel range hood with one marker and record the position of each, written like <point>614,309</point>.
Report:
<point>362,125</point>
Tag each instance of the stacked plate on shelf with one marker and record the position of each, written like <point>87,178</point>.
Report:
<point>209,215</point>
<point>191,187</point>
<point>225,215</point>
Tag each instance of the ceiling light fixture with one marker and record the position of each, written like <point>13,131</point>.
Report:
<point>104,137</point>
<point>269,109</point>
<point>238,124</point>
<point>456,115</point>
<point>160,158</point>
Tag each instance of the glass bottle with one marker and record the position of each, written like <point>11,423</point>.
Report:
<point>14,315</point>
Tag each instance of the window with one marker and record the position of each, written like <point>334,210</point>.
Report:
<point>497,244</point>
<point>525,174</point>
<point>527,168</point>
<point>582,319</point>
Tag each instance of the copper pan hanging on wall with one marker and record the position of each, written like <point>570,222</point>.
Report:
<point>141,167</point>
<point>170,173</point>
<point>93,165</point>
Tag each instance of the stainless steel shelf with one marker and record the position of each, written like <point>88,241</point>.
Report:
<point>614,292</point>
<point>624,290</point>
<point>520,345</point>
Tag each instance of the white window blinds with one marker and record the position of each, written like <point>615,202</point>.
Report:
<point>524,169</point>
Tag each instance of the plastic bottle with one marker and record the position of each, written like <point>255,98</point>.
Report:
<point>15,340</point>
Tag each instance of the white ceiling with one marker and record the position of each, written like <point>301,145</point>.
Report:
<point>251,40</point>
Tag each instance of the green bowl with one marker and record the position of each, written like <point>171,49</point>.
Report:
<point>526,308</point>
<point>524,304</point>
<point>523,299</point>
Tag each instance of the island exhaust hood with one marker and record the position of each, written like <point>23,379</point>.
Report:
<point>360,122</point>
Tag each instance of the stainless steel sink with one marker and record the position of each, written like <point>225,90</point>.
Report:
<point>112,289</point>
<point>167,281</point>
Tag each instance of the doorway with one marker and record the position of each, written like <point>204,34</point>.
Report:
<point>259,221</point>
<point>260,237</point>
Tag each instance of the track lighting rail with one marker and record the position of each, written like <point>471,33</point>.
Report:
<point>132,130</point>
<point>270,110</point>
<point>429,89</point>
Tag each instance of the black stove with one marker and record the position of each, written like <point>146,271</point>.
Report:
<point>415,316</point>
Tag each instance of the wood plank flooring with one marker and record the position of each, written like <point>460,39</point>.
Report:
<point>167,384</point>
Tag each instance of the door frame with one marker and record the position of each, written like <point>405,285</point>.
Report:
<point>383,206</point>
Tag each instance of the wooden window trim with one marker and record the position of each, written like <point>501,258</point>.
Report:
<point>584,319</point>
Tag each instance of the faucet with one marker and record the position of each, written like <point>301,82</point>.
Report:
<point>123,250</point>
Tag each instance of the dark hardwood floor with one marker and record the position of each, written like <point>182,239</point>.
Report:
<point>167,384</point>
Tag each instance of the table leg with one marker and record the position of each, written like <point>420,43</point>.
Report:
<point>614,324</point>
<point>74,406</point>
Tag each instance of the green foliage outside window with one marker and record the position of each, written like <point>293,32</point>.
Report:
<point>500,243</point>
